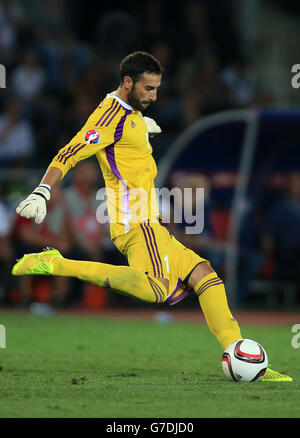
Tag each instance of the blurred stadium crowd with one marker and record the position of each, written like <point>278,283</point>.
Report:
<point>61,58</point>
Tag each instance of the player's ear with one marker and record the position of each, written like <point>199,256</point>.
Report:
<point>127,83</point>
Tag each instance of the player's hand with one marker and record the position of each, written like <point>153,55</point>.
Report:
<point>34,206</point>
<point>152,126</point>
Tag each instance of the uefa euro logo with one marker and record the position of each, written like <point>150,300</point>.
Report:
<point>92,136</point>
<point>2,76</point>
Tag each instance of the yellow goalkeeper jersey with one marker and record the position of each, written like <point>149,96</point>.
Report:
<point>117,135</point>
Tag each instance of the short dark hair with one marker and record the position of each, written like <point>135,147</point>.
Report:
<point>137,63</point>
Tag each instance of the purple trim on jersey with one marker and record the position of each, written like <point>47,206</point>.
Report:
<point>157,298</point>
<point>159,259</point>
<point>114,106</point>
<point>153,264</point>
<point>103,115</point>
<point>209,284</point>
<point>173,300</point>
<point>153,250</point>
<point>74,152</point>
<point>62,153</point>
<point>180,297</point>
<point>158,289</point>
<point>120,126</point>
<point>110,155</point>
<point>113,116</point>
<point>69,150</point>
<point>160,292</point>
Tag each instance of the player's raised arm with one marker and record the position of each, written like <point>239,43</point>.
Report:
<point>94,136</point>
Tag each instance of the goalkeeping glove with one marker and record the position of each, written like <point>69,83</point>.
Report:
<point>152,126</point>
<point>34,206</point>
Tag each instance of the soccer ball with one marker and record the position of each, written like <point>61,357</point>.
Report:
<point>244,361</point>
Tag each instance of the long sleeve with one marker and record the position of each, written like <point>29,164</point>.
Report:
<point>96,134</point>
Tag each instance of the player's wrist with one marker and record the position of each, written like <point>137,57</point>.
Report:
<point>45,185</point>
<point>43,191</point>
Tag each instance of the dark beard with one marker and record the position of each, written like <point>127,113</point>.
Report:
<point>134,101</point>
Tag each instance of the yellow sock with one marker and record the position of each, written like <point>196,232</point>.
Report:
<point>212,298</point>
<point>122,279</point>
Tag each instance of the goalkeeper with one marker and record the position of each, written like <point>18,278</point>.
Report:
<point>160,268</point>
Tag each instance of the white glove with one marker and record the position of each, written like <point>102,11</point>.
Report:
<point>34,206</point>
<point>152,126</point>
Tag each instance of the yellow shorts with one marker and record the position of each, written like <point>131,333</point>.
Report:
<point>153,250</point>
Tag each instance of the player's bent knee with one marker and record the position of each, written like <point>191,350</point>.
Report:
<point>200,271</point>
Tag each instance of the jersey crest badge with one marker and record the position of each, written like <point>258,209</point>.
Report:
<point>92,136</point>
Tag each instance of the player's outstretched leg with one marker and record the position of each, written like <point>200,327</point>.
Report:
<point>213,301</point>
<point>122,279</point>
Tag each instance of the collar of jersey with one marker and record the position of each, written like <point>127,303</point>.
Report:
<point>124,104</point>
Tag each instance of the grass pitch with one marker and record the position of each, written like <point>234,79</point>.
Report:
<point>90,366</point>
